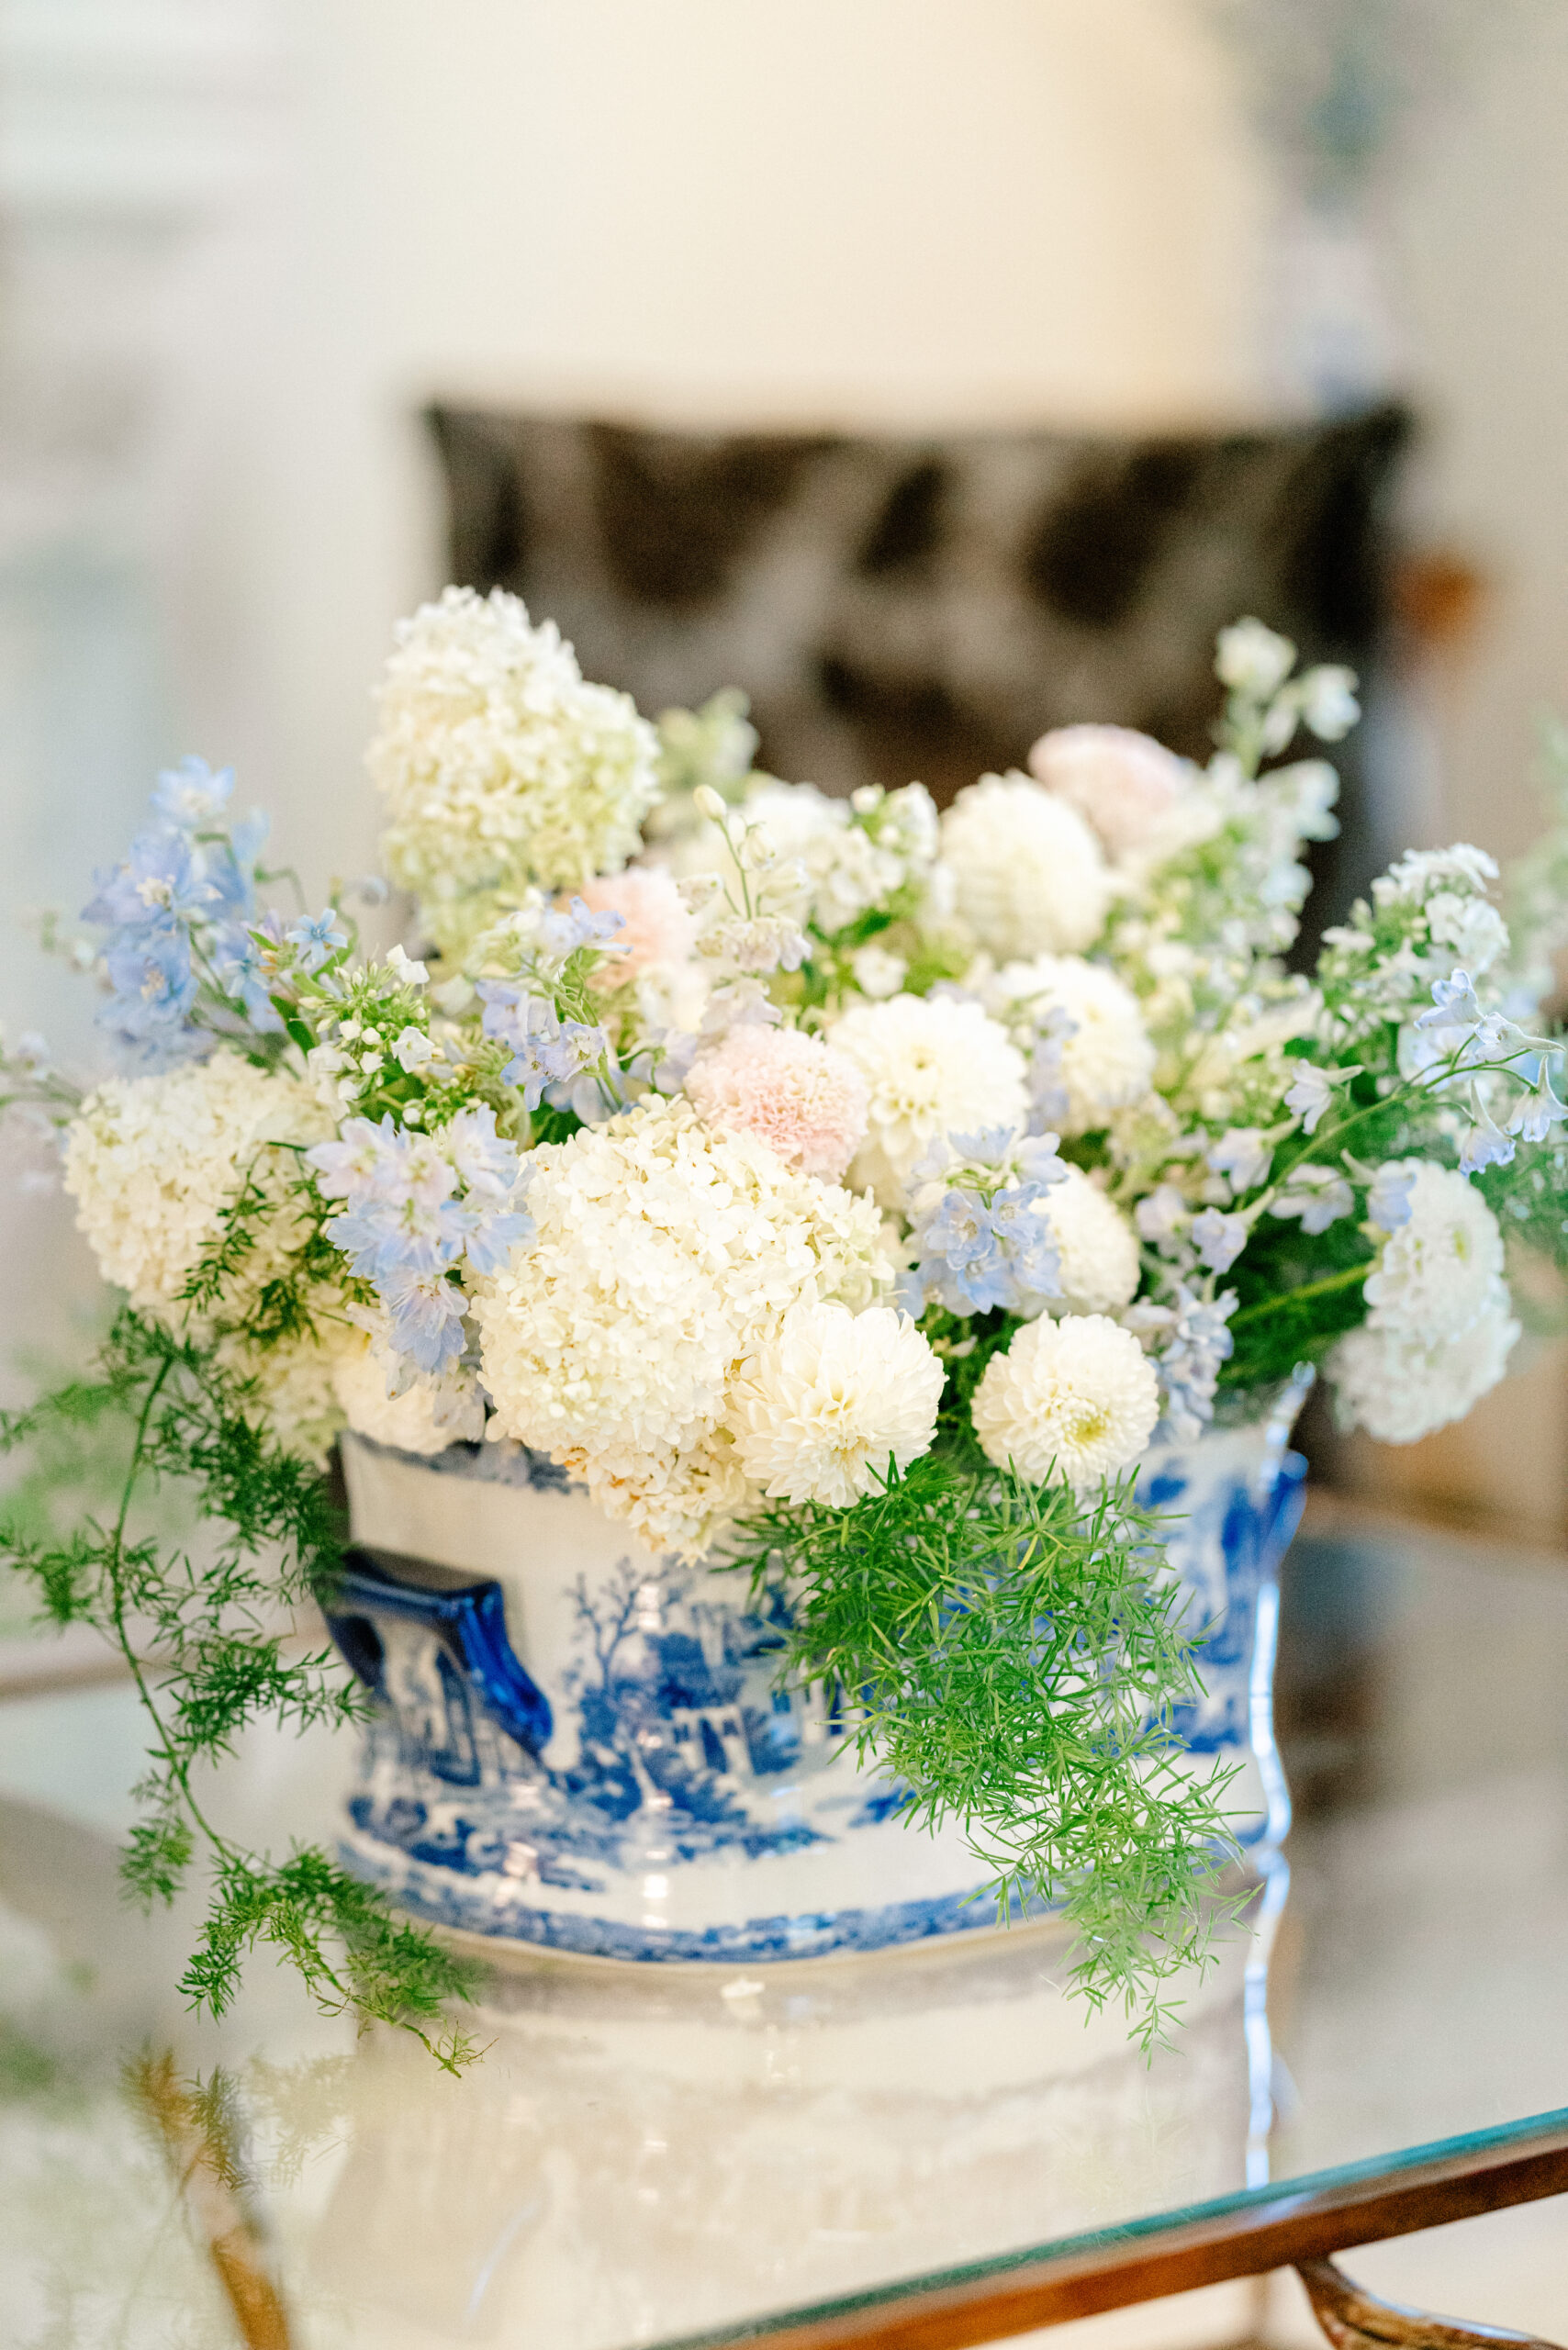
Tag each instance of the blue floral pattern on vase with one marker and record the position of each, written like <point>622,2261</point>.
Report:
<point>589,1747</point>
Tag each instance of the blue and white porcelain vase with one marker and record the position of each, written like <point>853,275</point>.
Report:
<point>581,1745</point>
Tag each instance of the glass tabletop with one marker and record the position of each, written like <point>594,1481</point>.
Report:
<point>649,2155</point>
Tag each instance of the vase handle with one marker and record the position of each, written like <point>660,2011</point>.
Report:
<point>468,1619</point>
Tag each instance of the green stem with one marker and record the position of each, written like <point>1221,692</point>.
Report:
<point>1346,1280</point>
<point>117,1608</point>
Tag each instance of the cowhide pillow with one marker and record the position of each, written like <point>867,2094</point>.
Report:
<point>926,606</point>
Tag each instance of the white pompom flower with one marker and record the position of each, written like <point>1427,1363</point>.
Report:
<point>1123,782</point>
<point>1029,877</point>
<point>818,1412</point>
<point>1400,1390</point>
<point>1072,1402</point>
<point>1097,1248</point>
<point>1094,1054</point>
<point>1439,1269</point>
<point>933,1066</point>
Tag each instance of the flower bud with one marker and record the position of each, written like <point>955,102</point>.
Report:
<point>707,803</point>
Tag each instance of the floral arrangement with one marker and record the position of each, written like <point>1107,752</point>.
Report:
<point>836,1188</point>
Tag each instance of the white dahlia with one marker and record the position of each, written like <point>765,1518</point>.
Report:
<point>499,764</point>
<point>933,1066</point>
<point>1097,1248</point>
<point>1439,1270</point>
<point>153,1161</point>
<point>1029,877</point>
<point>821,1408</point>
<point>1095,1050</point>
<point>1072,1400</point>
<point>425,1417</point>
<point>1400,1390</point>
<point>1122,781</point>
<point>663,1256</point>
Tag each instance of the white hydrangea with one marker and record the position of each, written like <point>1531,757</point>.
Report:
<point>427,1415</point>
<point>821,1407</point>
<point>1094,1050</point>
<point>1029,877</point>
<point>663,1256</point>
<point>499,763</point>
<point>933,1066</point>
<point>1096,1247</point>
<point>1400,1389</point>
<point>1073,1400</point>
<point>1439,1269</point>
<point>151,1162</point>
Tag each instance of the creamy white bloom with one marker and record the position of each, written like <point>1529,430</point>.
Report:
<point>1096,1247</point>
<point>1096,1048</point>
<point>425,1416</point>
<point>1400,1390</point>
<point>1252,659</point>
<point>662,1256</point>
<point>153,1161</point>
<point>1123,782</point>
<point>819,1410</point>
<point>933,1067</point>
<point>1073,1400</point>
<point>1439,1269</point>
<point>1029,877</point>
<point>499,763</point>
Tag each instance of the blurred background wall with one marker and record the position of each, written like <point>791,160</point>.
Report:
<point>242,241</point>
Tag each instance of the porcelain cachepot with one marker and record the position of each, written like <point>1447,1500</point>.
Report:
<point>579,1744</point>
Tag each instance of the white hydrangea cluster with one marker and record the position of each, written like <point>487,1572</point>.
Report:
<point>1439,1330</point>
<point>819,1408</point>
<point>499,763</point>
<point>1029,877</point>
<point>1097,1248</point>
<point>1089,1053</point>
<point>1071,1401</point>
<point>151,1163</point>
<point>664,1257</point>
<point>933,1066</point>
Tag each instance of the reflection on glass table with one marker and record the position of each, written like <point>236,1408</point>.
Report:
<point>647,2154</point>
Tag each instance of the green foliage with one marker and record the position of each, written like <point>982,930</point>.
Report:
<point>1016,1658</point>
<point>203,1645</point>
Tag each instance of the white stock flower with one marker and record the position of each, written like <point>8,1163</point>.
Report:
<point>933,1066</point>
<point>499,763</point>
<point>663,1255</point>
<point>153,1161</point>
<point>1096,1246</point>
<point>1399,1389</point>
<point>1101,1058</point>
<point>1470,927</point>
<point>1073,1400</point>
<point>1029,877</point>
<point>1123,782</point>
<point>1252,660</point>
<point>1439,1269</point>
<point>818,1411</point>
<point>427,1416</point>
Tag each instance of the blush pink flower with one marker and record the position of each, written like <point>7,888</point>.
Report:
<point>1122,782</point>
<point>807,1102</point>
<point>656,929</point>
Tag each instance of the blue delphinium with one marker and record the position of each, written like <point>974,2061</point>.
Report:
<point>180,911</point>
<point>549,1054</point>
<point>980,1239</point>
<point>413,1204</point>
